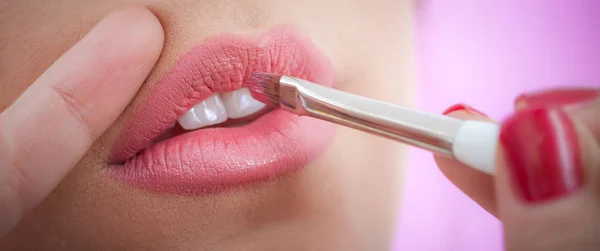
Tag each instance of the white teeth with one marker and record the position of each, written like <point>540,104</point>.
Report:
<point>239,103</point>
<point>218,107</point>
<point>208,112</point>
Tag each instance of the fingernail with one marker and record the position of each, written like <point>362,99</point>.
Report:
<point>558,97</point>
<point>463,107</point>
<point>542,154</point>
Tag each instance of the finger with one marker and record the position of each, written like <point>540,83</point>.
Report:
<point>554,97</point>
<point>52,125</point>
<point>547,178</point>
<point>571,99</point>
<point>475,184</point>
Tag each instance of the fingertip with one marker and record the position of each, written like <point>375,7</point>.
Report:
<point>139,32</point>
<point>555,97</point>
<point>520,103</point>
<point>127,41</point>
<point>542,151</point>
<point>466,112</point>
<point>476,132</point>
<point>478,185</point>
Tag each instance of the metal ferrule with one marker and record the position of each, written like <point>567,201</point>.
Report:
<point>424,130</point>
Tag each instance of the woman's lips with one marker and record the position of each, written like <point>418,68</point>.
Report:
<point>211,159</point>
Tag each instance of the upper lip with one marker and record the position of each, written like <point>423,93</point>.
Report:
<point>220,65</point>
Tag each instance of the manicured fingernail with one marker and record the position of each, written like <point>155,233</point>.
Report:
<point>542,154</point>
<point>463,107</point>
<point>558,97</point>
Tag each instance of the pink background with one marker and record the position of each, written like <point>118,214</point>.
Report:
<point>485,54</point>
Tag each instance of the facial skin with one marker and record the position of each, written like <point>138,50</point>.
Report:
<point>344,200</point>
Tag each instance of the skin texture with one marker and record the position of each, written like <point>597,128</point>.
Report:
<point>337,203</point>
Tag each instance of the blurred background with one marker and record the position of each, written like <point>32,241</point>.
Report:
<point>484,53</point>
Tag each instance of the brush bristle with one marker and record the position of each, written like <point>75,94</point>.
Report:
<point>264,87</point>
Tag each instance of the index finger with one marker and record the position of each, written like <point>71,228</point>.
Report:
<point>477,185</point>
<point>53,124</point>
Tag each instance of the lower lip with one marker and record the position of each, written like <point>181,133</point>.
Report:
<point>210,160</point>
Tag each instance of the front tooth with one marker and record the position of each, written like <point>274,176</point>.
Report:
<point>211,111</point>
<point>239,103</point>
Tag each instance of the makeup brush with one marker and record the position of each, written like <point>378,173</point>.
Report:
<point>470,142</point>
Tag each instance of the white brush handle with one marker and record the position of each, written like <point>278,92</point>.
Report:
<point>470,142</point>
<point>475,145</point>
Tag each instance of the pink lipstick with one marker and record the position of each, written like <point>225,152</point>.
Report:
<point>211,159</point>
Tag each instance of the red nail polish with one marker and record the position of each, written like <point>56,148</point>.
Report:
<point>557,97</point>
<point>542,154</point>
<point>463,107</point>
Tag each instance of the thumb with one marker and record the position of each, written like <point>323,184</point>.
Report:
<point>547,190</point>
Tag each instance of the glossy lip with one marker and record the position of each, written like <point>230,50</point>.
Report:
<point>212,159</point>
